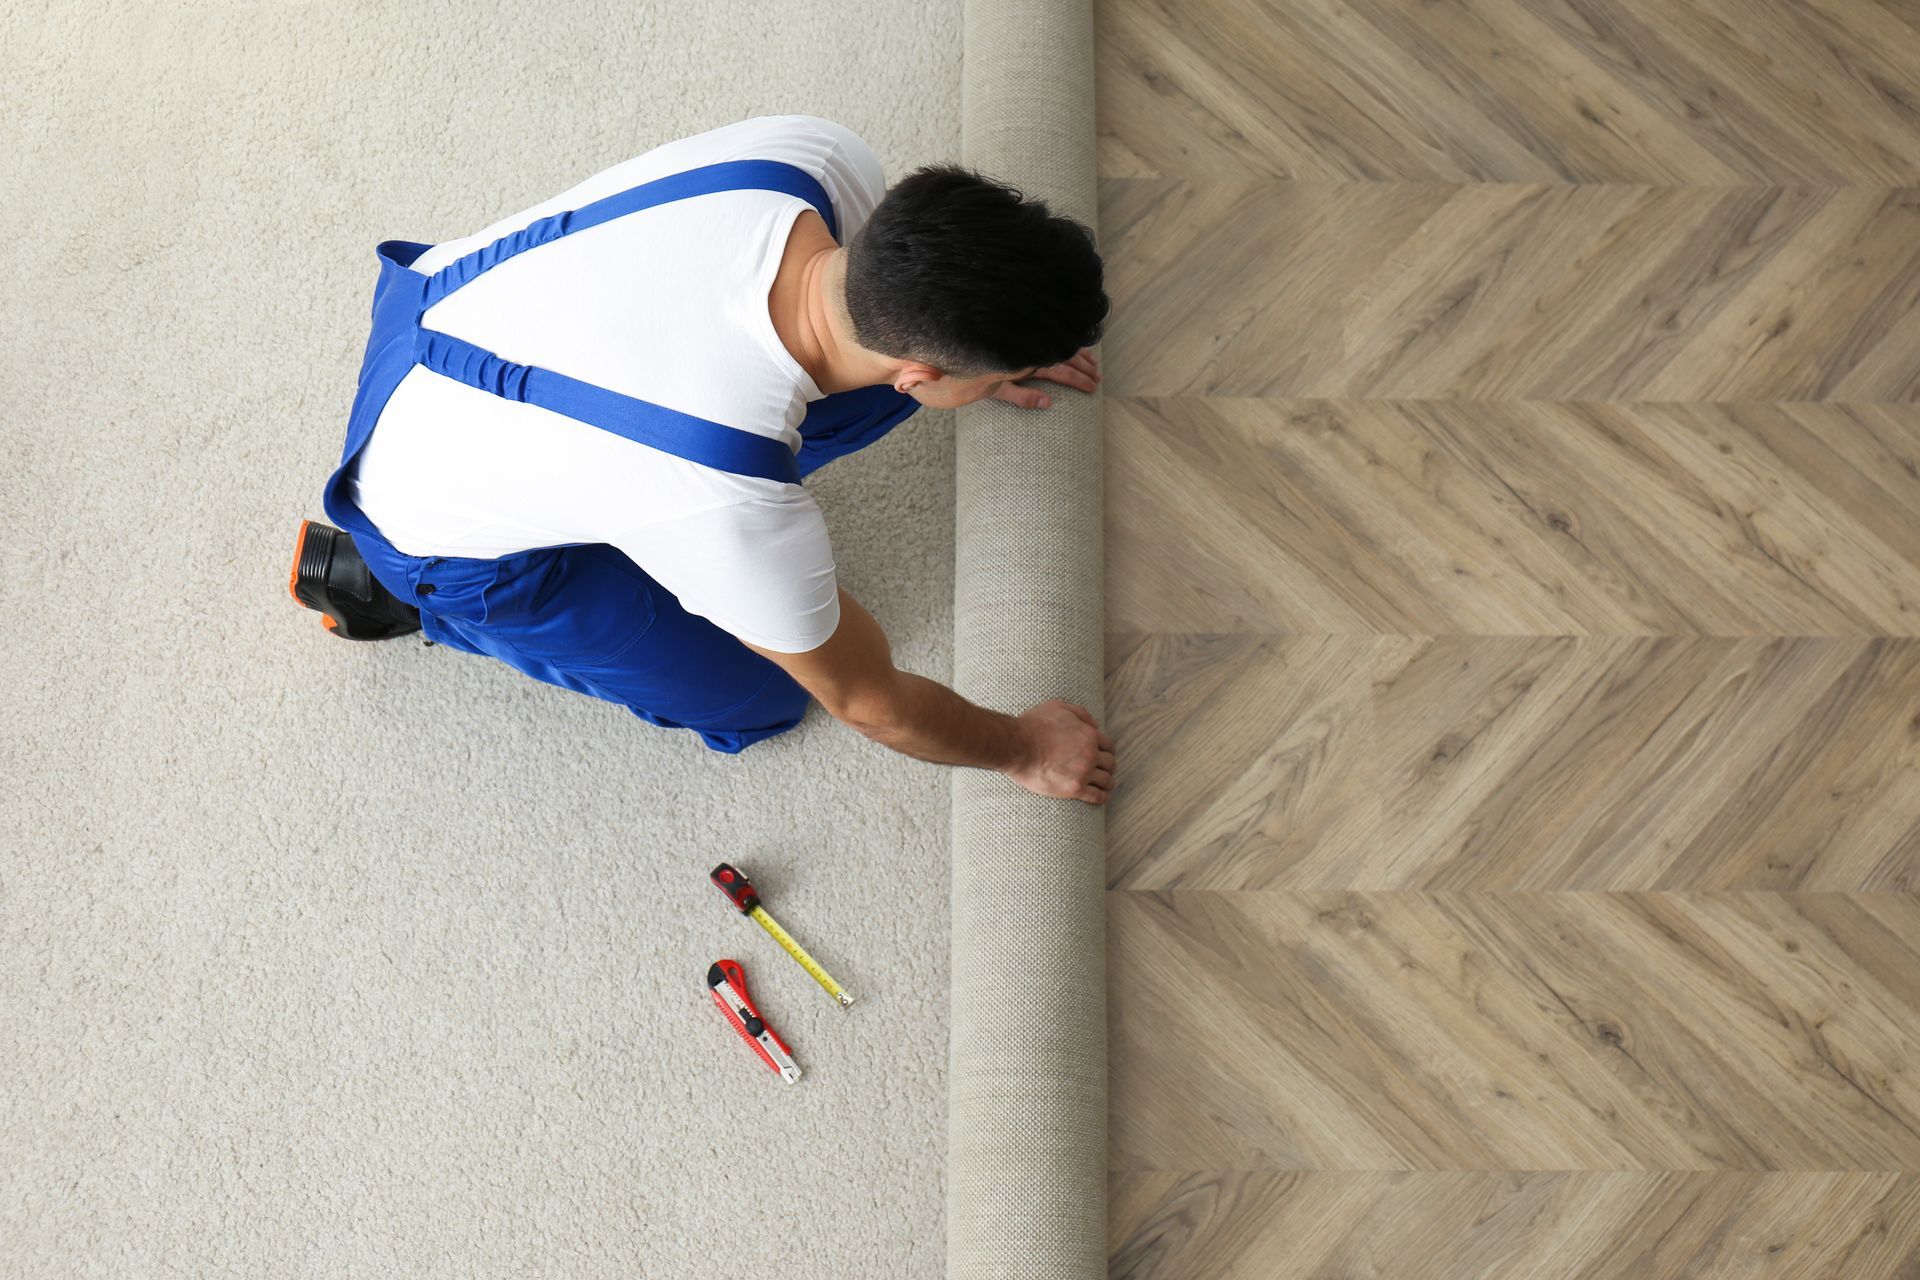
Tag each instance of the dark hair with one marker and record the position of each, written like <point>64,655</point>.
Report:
<point>972,277</point>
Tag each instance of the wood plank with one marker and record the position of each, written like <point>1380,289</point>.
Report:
<point>1439,518</point>
<point>1696,92</point>
<point>1249,758</point>
<point>1398,291</point>
<point>1522,1032</point>
<point>1514,1226</point>
<point>1488,763</point>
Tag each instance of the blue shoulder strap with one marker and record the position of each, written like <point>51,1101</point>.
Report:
<point>729,175</point>
<point>684,435</point>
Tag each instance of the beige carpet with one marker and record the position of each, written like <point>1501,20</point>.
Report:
<point>332,960</point>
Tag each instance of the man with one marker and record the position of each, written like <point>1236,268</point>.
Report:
<point>580,434</point>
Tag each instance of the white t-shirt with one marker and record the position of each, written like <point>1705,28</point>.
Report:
<point>669,305</point>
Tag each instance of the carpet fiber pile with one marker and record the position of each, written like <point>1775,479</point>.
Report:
<point>330,960</point>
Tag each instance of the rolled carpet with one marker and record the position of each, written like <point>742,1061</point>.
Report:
<point>1026,1120</point>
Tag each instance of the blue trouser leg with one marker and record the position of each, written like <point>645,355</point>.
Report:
<point>587,618</point>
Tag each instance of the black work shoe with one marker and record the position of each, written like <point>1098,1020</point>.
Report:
<point>329,575</point>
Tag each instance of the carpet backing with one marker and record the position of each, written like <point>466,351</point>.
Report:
<point>1026,1109</point>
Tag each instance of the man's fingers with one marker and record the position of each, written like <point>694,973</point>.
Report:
<point>1067,375</point>
<point>1023,397</point>
<point>1076,376</point>
<point>1092,795</point>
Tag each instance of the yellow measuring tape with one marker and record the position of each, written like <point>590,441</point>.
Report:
<point>733,882</point>
<point>787,944</point>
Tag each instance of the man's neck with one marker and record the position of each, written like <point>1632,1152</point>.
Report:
<point>808,314</point>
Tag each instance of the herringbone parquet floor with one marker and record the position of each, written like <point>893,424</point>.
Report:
<point>1513,578</point>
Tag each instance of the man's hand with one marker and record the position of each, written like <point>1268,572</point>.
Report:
<point>1070,756</point>
<point>1082,373</point>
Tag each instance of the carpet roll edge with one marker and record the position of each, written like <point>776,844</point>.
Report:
<point>1026,1121</point>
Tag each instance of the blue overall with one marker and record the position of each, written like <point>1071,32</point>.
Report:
<point>583,615</point>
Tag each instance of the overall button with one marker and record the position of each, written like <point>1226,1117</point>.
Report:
<point>426,588</point>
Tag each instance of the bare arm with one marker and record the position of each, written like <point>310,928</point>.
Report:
<point>1055,749</point>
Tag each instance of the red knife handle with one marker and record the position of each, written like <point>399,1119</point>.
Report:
<point>730,973</point>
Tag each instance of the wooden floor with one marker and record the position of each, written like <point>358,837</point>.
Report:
<point>1513,491</point>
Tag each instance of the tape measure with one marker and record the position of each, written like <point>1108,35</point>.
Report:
<point>733,882</point>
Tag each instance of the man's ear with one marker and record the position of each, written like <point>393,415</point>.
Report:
<point>909,376</point>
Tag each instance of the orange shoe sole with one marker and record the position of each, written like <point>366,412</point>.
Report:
<point>327,620</point>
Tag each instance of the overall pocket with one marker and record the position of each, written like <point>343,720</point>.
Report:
<point>581,606</point>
